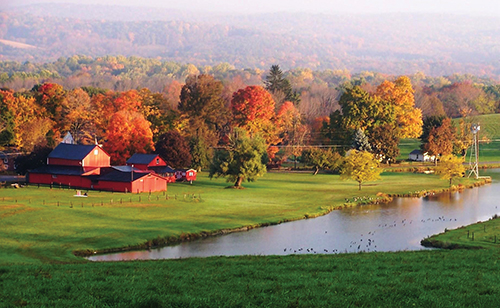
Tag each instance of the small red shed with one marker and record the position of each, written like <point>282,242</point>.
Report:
<point>185,175</point>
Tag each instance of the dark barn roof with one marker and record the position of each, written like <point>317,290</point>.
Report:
<point>141,159</point>
<point>112,174</point>
<point>414,152</point>
<point>60,170</point>
<point>162,169</point>
<point>71,151</point>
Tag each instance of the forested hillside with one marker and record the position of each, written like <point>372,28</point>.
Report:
<point>390,43</point>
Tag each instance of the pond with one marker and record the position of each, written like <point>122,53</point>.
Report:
<point>399,225</point>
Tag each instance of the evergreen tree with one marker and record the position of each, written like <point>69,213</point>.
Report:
<point>276,83</point>
<point>360,141</point>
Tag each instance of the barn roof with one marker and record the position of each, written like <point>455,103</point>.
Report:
<point>415,152</point>
<point>141,159</point>
<point>162,169</point>
<point>71,151</point>
<point>113,174</point>
<point>61,170</point>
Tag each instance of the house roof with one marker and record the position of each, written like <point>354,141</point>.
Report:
<point>71,151</point>
<point>415,152</point>
<point>141,159</point>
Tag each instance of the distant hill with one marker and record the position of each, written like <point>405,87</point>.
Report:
<point>388,43</point>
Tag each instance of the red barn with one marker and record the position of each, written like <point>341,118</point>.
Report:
<point>88,167</point>
<point>78,155</point>
<point>152,162</point>
<point>128,179</point>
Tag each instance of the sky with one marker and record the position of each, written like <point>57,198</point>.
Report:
<point>476,7</point>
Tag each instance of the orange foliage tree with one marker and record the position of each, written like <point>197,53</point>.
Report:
<point>400,95</point>
<point>128,133</point>
<point>291,129</point>
<point>253,110</point>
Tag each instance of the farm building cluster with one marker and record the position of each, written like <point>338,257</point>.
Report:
<point>88,167</point>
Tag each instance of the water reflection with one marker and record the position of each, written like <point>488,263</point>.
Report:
<point>399,225</point>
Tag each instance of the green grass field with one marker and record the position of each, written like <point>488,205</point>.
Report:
<point>461,278</point>
<point>42,225</point>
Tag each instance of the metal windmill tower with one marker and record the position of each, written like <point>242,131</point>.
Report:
<point>474,153</point>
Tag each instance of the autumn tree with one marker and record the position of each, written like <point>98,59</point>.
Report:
<point>25,119</point>
<point>450,167</point>
<point>360,166</point>
<point>429,123</point>
<point>241,159</point>
<point>157,109</point>
<point>77,116</point>
<point>440,139</point>
<point>202,102</point>
<point>399,94</point>
<point>253,110</point>
<point>384,141</point>
<point>174,149</point>
<point>321,159</point>
<point>128,133</point>
<point>292,132</point>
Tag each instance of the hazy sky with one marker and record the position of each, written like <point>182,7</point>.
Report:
<point>483,7</point>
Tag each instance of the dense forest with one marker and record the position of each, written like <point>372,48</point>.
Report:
<point>393,44</point>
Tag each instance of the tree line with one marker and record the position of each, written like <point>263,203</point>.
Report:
<point>201,122</point>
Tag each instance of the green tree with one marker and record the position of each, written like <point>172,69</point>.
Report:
<point>450,167</point>
<point>241,159</point>
<point>360,166</point>
<point>200,153</point>
<point>280,87</point>
<point>321,159</point>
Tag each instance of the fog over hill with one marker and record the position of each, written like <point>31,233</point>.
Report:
<point>393,43</point>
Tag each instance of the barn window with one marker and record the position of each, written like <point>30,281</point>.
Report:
<point>157,161</point>
<point>54,176</point>
<point>96,152</point>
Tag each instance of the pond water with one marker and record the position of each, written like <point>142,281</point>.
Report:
<point>399,225</point>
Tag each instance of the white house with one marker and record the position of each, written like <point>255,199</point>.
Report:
<point>417,155</point>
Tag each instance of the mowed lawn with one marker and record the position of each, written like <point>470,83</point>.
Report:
<point>43,225</point>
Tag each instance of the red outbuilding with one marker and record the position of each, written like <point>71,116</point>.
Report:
<point>182,175</point>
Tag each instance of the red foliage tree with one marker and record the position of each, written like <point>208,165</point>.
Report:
<point>253,110</point>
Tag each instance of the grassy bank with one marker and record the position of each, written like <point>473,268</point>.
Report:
<point>42,225</point>
<point>481,235</point>
<point>461,278</point>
